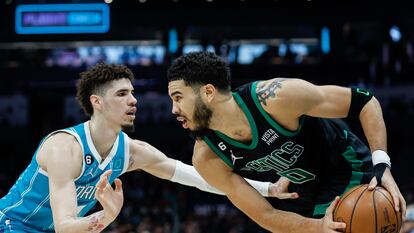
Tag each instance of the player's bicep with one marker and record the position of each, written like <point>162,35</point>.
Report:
<point>151,160</point>
<point>62,167</point>
<point>333,102</point>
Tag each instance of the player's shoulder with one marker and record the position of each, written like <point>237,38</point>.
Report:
<point>200,145</point>
<point>281,88</point>
<point>60,148</point>
<point>205,159</point>
<point>275,83</point>
<point>62,139</point>
<point>264,83</point>
<point>202,151</point>
<point>59,143</point>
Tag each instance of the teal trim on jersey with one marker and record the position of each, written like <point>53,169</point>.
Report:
<point>351,157</point>
<point>218,152</point>
<point>27,203</point>
<point>255,138</point>
<point>272,122</point>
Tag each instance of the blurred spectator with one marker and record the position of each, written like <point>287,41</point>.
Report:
<point>164,208</point>
<point>408,225</point>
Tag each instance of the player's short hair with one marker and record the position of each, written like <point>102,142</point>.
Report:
<point>94,81</point>
<point>201,68</point>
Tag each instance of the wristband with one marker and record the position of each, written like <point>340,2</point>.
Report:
<point>379,170</point>
<point>380,156</point>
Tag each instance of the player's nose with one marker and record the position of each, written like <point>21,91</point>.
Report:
<point>133,101</point>
<point>175,110</point>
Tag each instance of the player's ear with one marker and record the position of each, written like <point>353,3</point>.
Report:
<point>96,102</point>
<point>208,92</point>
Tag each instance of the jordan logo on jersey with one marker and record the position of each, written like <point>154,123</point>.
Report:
<point>269,136</point>
<point>281,160</point>
<point>92,171</point>
<point>234,158</point>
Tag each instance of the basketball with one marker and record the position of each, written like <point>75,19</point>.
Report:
<point>366,211</point>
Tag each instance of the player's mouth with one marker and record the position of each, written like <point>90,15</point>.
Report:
<point>131,113</point>
<point>184,122</point>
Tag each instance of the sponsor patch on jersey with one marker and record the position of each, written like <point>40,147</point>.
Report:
<point>269,136</point>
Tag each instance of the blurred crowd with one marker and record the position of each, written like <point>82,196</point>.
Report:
<point>156,206</point>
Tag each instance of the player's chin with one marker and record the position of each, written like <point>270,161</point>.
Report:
<point>129,127</point>
<point>128,120</point>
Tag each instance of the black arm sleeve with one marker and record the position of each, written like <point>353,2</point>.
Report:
<point>359,99</point>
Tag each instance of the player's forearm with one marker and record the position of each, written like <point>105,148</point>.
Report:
<point>264,214</point>
<point>373,124</point>
<point>95,223</point>
<point>187,175</point>
<point>289,222</point>
<point>261,187</point>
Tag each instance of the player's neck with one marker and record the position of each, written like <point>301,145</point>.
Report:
<point>230,119</point>
<point>103,136</point>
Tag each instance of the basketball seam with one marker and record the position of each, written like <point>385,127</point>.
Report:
<point>396,217</point>
<point>353,209</point>
<point>343,199</point>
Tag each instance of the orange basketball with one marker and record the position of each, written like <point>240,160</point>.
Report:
<point>366,211</point>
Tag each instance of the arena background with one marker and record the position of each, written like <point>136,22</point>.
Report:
<point>366,44</point>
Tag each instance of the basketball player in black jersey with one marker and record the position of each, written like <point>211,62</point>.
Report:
<point>280,130</point>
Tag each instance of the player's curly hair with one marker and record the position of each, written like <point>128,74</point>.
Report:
<point>201,68</point>
<point>95,79</point>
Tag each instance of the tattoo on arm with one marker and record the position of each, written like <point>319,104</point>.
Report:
<point>269,91</point>
<point>95,222</point>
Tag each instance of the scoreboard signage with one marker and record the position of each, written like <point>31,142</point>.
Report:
<point>62,18</point>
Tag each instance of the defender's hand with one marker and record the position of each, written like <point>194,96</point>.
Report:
<point>110,199</point>
<point>280,189</point>
<point>328,224</point>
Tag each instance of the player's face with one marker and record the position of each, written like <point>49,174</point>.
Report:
<point>119,104</point>
<point>188,107</point>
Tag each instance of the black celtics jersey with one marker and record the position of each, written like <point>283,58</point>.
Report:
<point>320,153</point>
